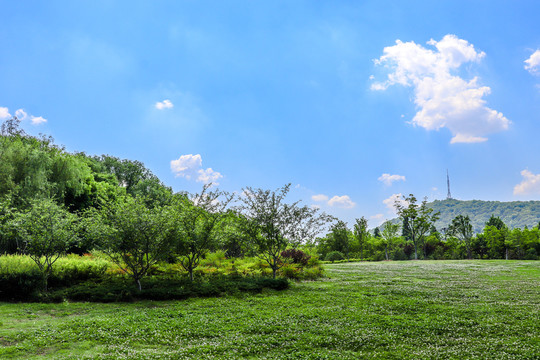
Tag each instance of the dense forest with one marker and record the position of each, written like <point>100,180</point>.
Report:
<point>515,214</point>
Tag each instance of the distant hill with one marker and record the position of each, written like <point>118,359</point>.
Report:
<point>515,214</point>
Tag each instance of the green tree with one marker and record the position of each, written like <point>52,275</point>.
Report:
<point>339,235</point>
<point>194,224</point>
<point>361,234</point>
<point>496,222</point>
<point>389,234</point>
<point>45,232</point>
<point>273,224</point>
<point>419,219</point>
<point>133,236</point>
<point>461,228</point>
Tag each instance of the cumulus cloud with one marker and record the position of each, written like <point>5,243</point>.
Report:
<point>190,166</point>
<point>165,104</point>
<point>388,179</point>
<point>532,64</point>
<point>319,197</point>
<point>443,99</point>
<point>21,114</point>
<point>36,120</point>
<point>4,113</point>
<point>342,202</point>
<point>391,202</point>
<point>530,184</point>
<point>208,176</point>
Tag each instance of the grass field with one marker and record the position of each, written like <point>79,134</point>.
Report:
<point>391,310</point>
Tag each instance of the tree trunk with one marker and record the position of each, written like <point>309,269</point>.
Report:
<point>386,252</point>
<point>506,253</point>
<point>274,272</point>
<point>415,253</point>
<point>139,284</point>
<point>191,274</point>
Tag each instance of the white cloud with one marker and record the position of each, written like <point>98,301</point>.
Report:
<point>388,179</point>
<point>165,104</point>
<point>21,114</point>
<point>530,184</point>
<point>37,120</point>
<point>532,64</point>
<point>391,202</point>
<point>319,197</point>
<point>442,99</point>
<point>190,166</point>
<point>315,206</point>
<point>378,219</point>
<point>4,113</point>
<point>342,202</point>
<point>208,176</point>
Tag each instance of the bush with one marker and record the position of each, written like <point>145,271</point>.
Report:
<point>291,271</point>
<point>334,255</point>
<point>399,254</point>
<point>531,254</point>
<point>296,256</point>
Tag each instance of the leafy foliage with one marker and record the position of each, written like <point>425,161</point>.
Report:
<point>274,225</point>
<point>133,236</point>
<point>515,214</point>
<point>45,232</point>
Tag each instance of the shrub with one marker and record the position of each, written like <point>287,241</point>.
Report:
<point>296,256</point>
<point>334,255</point>
<point>291,271</point>
<point>531,254</point>
<point>399,254</point>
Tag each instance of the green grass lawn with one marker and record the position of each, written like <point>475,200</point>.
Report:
<point>392,310</point>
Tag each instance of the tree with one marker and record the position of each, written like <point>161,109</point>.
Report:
<point>133,236</point>
<point>44,232</point>
<point>461,228</point>
<point>233,239</point>
<point>496,222</point>
<point>195,219</point>
<point>361,234</point>
<point>405,229</point>
<point>339,234</point>
<point>273,224</point>
<point>496,233</point>
<point>419,219</point>
<point>389,234</point>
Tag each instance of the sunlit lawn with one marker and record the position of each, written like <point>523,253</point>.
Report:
<point>394,310</point>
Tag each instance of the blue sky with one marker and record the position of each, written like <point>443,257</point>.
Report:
<point>329,96</point>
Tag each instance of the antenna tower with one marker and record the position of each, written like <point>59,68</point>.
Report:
<point>449,196</point>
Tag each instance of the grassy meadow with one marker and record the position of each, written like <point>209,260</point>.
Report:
<point>391,310</point>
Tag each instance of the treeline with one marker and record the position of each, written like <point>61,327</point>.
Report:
<point>515,214</point>
<point>416,237</point>
<point>53,202</point>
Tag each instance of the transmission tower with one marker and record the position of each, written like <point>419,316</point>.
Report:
<point>449,196</point>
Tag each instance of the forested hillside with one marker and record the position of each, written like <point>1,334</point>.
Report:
<point>515,214</point>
